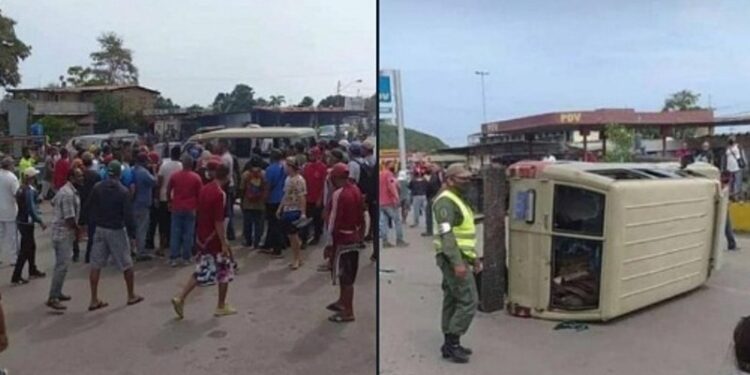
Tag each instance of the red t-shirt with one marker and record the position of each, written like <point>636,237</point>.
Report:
<point>60,177</point>
<point>315,177</point>
<point>186,187</point>
<point>346,223</point>
<point>210,210</point>
<point>388,189</point>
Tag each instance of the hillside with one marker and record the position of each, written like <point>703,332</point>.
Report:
<point>416,141</point>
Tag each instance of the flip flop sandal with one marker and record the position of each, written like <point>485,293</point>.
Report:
<point>98,305</point>
<point>334,307</point>
<point>134,301</point>
<point>338,318</point>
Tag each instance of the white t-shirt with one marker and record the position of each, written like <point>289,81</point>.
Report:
<point>733,153</point>
<point>8,187</point>
<point>227,159</point>
<point>167,169</point>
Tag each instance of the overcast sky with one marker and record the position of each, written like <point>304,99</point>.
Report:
<point>192,49</point>
<point>546,56</point>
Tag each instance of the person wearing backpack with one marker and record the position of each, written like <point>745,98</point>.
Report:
<point>254,190</point>
<point>735,163</point>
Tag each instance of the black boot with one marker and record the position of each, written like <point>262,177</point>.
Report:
<point>466,350</point>
<point>452,350</point>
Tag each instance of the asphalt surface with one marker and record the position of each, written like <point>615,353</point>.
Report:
<point>281,327</point>
<point>689,334</point>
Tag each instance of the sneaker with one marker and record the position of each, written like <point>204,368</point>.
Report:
<point>402,244</point>
<point>19,282</point>
<point>174,263</point>
<point>179,307</point>
<point>37,275</point>
<point>387,244</point>
<point>56,305</point>
<point>226,310</point>
<point>64,298</point>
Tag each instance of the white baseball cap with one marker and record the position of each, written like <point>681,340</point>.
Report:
<point>30,172</point>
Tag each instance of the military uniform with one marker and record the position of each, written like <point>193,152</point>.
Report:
<point>455,239</point>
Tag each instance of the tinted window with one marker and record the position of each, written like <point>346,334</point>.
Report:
<point>242,147</point>
<point>578,211</point>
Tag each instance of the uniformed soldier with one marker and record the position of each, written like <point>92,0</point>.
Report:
<point>455,239</point>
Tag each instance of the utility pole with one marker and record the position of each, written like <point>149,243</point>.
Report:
<point>481,75</point>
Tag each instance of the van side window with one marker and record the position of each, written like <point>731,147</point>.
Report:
<point>578,211</point>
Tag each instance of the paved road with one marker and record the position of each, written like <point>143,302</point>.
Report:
<point>281,327</point>
<point>690,334</point>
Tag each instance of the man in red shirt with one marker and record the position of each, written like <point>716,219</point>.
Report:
<point>62,167</point>
<point>215,263</point>
<point>315,172</point>
<point>183,190</point>
<point>390,206</point>
<point>346,227</point>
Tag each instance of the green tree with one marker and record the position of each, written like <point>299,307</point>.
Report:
<point>261,102</point>
<point>113,64</point>
<point>165,103</point>
<point>336,101</point>
<point>195,108</point>
<point>277,100</point>
<point>416,141</point>
<point>306,102</point>
<point>241,99</point>
<point>110,115</point>
<point>57,128</point>
<point>80,76</point>
<point>622,140</point>
<point>12,52</point>
<point>684,100</point>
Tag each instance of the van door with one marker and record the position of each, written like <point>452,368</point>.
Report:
<point>720,241</point>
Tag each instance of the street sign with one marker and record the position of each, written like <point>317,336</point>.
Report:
<point>384,89</point>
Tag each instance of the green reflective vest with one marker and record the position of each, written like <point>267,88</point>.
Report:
<point>465,233</point>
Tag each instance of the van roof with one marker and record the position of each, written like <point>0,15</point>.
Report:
<point>271,132</point>
<point>610,171</point>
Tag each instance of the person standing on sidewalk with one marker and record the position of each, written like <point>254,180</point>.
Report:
<point>143,198</point>
<point>435,181</point>
<point>275,176</point>
<point>346,227</point>
<point>28,216</point>
<point>254,190</point>
<point>390,206</point>
<point>114,234</point>
<point>418,189</point>
<point>215,261</point>
<point>65,231</point>
<point>90,179</point>
<point>183,190</point>
<point>456,255</point>
<point>9,186</point>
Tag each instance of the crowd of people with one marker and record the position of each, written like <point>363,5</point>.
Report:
<point>114,200</point>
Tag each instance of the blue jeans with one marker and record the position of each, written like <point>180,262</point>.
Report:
<point>418,204</point>
<point>736,183</point>
<point>729,233</point>
<point>142,216</point>
<point>252,226</point>
<point>182,235</point>
<point>390,213</point>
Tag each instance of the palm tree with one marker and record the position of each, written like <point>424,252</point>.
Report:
<point>277,100</point>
